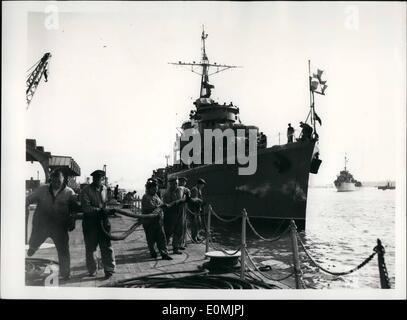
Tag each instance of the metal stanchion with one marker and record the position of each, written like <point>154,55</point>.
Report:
<point>296,258</point>
<point>27,216</point>
<point>243,246</point>
<point>208,229</point>
<point>384,277</point>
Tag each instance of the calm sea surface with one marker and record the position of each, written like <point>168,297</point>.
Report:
<point>342,229</point>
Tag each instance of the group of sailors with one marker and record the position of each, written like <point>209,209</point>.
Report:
<point>174,210</point>
<point>306,132</point>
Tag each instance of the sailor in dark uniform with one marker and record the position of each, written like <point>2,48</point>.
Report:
<point>290,134</point>
<point>153,227</point>
<point>186,194</point>
<point>306,133</point>
<point>196,207</point>
<point>173,222</point>
<point>93,200</point>
<point>53,218</point>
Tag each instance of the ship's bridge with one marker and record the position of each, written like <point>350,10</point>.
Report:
<point>216,113</point>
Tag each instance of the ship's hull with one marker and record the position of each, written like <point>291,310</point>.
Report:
<point>345,187</point>
<point>277,190</point>
<point>386,188</point>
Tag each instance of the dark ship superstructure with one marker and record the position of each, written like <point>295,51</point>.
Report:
<point>278,189</point>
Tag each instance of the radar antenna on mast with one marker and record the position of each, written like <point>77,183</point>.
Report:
<point>33,80</point>
<point>206,87</point>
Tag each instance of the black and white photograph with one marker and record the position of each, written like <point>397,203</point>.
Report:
<point>178,149</point>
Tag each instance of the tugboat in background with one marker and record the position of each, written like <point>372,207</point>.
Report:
<point>345,181</point>
<point>388,186</point>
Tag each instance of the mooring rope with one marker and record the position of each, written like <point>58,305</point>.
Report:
<point>125,234</point>
<point>197,280</point>
<point>362,264</point>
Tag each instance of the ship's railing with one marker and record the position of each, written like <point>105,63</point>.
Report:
<point>250,269</point>
<point>133,203</point>
<point>281,138</point>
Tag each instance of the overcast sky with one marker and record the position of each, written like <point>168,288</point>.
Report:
<point>113,99</point>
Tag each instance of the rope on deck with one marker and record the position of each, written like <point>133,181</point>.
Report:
<point>133,228</point>
<point>123,236</point>
<point>197,280</point>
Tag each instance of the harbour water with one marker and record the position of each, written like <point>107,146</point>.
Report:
<point>342,230</point>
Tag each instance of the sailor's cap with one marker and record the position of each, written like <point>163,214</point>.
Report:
<point>182,179</point>
<point>151,182</point>
<point>201,181</point>
<point>98,173</point>
<point>56,172</point>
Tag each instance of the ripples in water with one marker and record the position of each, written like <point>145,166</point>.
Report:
<point>342,230</point>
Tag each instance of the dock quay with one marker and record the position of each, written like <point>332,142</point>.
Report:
<point>232,262</point>
<point>133,261</point>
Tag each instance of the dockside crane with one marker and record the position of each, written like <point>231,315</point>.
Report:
<point>34,78</point>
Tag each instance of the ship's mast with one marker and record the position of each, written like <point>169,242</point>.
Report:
<point>312,99</point>
<point>315,82</point>
<point>346,161</point>
<point>205,90</point>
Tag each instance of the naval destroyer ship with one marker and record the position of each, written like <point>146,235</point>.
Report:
<point>279,187</point>
<point>345,180</point>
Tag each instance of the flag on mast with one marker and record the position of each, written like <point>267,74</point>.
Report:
<point>317,85</point>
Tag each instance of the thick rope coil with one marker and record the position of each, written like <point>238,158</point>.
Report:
<point>130,214</point>
<point>123,236</point>
<point>222,219</point>
<point>367,260</point>
<point>264,274</point>
<point>264,238</point>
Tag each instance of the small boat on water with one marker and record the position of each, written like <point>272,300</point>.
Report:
<point>388,186</point>
<point>345,181</point>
